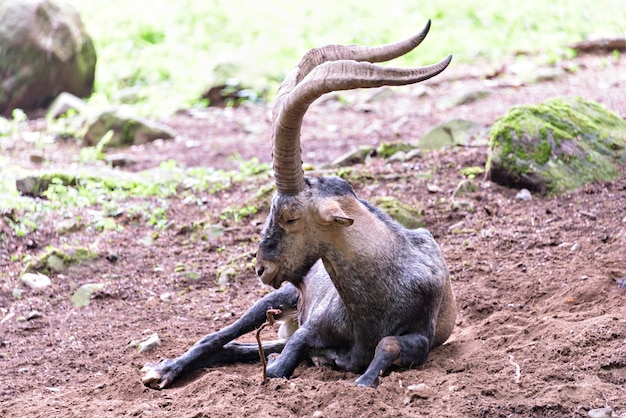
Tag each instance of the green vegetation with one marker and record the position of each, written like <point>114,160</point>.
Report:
<point>557,145</point>
<point>159,54</point>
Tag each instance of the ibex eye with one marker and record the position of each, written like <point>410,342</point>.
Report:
<point>291,221</point>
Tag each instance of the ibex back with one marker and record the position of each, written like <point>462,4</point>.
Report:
<point>356,289</point>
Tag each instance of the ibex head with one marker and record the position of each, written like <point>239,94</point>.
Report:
<point>306,213</point>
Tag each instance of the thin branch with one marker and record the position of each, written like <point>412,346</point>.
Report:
<point>270,321</point>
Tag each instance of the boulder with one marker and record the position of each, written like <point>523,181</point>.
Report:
<point>44,50</point>
<point>555,146</point>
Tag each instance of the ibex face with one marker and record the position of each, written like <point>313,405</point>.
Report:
<point>301,228</point>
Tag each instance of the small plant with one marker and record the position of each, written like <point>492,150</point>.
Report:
<point>472,172</point>
<point>237,215</point>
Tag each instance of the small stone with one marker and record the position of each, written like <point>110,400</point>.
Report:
<point>457,205</point>
<point>82,296</point>
<point>33,315</point>
<point>55,263</point>
<point>152,342</point>
<point>419,391</point>
<point>357,156</point>
<point>433,188</point>
<point>37,158</point>
<point>226,276</point>
<point>36,280</point>
<point>523,195</point>
<point>66,226</point>
<point>600,413</point>
<point>575,247</point>
<point>120,160</point>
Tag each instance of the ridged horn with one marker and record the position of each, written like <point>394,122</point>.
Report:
<point>326,69</point>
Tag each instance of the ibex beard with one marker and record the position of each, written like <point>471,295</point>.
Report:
<point>356,290</point>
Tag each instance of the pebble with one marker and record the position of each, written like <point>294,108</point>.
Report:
<point>419,391</point>
<point>523,195</point>
<point>600,413</point>
<point>149,344</point>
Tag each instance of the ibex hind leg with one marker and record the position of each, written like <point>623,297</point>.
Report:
<point>219,347</point>
<point>406,350</point>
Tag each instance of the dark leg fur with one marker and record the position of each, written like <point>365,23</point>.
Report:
<point>219,347</point>
<point>406,350</point>
<point>296,350</point>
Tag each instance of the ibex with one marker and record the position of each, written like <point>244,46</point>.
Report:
<point>362,293</point>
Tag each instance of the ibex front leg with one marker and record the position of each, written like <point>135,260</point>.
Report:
<point>406,350</point>
<point>219,347</point>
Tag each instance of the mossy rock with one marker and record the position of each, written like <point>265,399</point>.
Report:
<point>407,215</point>
<point>56,261</point>
<point>555,146</point>
<point>387,149</point>
<point>127,129</point>
<point>35,186</point>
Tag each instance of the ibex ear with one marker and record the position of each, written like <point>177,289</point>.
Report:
<point>331,213</point>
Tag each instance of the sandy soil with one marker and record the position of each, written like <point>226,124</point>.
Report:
<point>541,329</point>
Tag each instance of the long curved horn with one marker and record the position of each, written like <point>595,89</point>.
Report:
<point>327,69</point>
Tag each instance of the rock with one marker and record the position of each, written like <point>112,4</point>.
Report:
<point>34,186</point>
<point>37,158</point>
<point>226,276</point>
<point>357,156</point>
<point>36,281</point>
<point>558,145</point>
<point>387,149</point>
<point>45,51</point>
<point>149,344</point>
<point>524,195</point>
<point>67,226</point>
<point>600,413</point>
<point>127,129</point>
<point>601,45</point>
<point>461,98</point>
<point>82,296</point>
<point>65,102</point>
<point>452,133</point>
<point>407,215</point>
<point>55,264</point>
<point>433,188</point>
<point>120,160</point>
<point>232,81</point>
<point>419,391</point>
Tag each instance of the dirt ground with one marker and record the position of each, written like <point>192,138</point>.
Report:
<point>541,330</point>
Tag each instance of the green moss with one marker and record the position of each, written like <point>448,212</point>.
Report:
<point>55,260</point>
<point>387,149</point>
<point>557,145</point>
<point>407,215</point>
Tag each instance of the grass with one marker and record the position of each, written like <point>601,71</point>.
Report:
<point>160,54</point>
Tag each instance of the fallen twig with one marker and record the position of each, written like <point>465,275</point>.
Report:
<point>518,373</point>
<point>270,321</point>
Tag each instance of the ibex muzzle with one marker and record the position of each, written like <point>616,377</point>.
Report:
<point>362,292</point>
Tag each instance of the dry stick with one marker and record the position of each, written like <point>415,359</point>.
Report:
<point>270,321</point>
<point>518,373</point>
